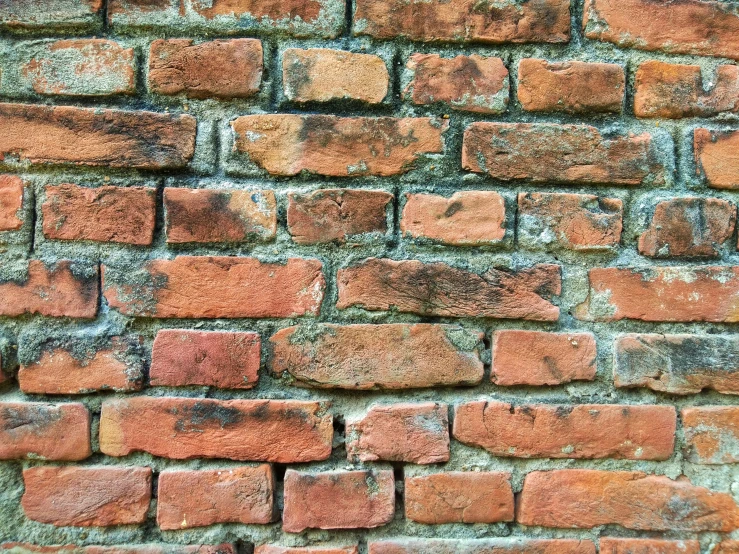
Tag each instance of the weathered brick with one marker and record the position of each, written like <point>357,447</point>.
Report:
<point>197,498</point>
<point>582,498</point>
<point>467,218</point>
<point>215,287</point>
<point>538,358</point>
<point>414,433</point>
<point>227,360</point>
<point>677,364</point>
<point>464,21</point>
<point>214,69</point>
<point>323,75</point>
<point>338,500</point>
<point>691,227</point>
<point>412,356</point>
<point>552,153</point>
<point>96,137</point>
<point>711,434</point>
<point>674,91</point>
<point>579,431</point>
<point>105,214</point>
<point>12,192</point>
<point>726,547</point>
<point>437,289</point>
<point>687,293</point>
<point>571,86</point>
<point>205,215</point>
<point>571,221</point>
<point>337,215</point>
<point>59,14</point>
<point>274,549</point>
<point>36,430</point>
<point>702,27</point>
<point>25,548</point>
<point>482,546</point>
<point>87,496</point>
<point>286,144</point>
<point>612,545</point>
<point>717,157</point>
<point>284,431</point>
<point>459,497</point>
<point>468,83</point>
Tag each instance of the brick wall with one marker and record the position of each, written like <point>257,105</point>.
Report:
<point>385,277</point>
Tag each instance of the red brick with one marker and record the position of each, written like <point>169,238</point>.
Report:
<point>468,83</point>
<point>726,547</point>
<point>437,289</point>
<point>336,215</point>
<point>711,434</point>
<point>64,289</point>
<point>30,14</point>
<point>538,358</point>
<point>389,356</point>
<point>215,69</point>
<point>225,360</point>
<point>285,144</point>
<point>190,498</point>
<point>104,214</point>
<point>36,430</point>
<point>323,75</point>
<point>338,500</point>
<point>717,157</point>
<point>693,227</point>
<point>571,221</point>
<point>579,431</point>
<point>87,496</point>
<point>283,431</point>
<point>571,86</point>
<point>12,192</point>
<point>464,21</point>
<point>274,549</point>
<point>25,548</point>
<point>469,218</point>
<point>203,215</point>
<point>459,497</point>
<point>583,498</point>
<point>216,287</point>
<point>674,91</point>
<point>687,293</point>
<point>413,433</point>
<point>551,153</point>
<point>611,545</point>
<point>701,27</point>
<point>482,546</point>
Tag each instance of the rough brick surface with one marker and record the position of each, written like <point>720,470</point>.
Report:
<point>717,159</point>
<point>30,14</point>
<point>482,546</point>
<point>712,434</point>
<point>611,545</point>
<point>12,191</point>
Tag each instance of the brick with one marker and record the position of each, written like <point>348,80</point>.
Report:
<point>711,434</point>
<point>717,157</point>
<point>215,69</point>
<point>338,500</point>
<point>286,144</point>
<point>437,289</point>
<point>691,227</point>
<point>467,83</point>
<point>552,153</point>
<point>570,87</point>
<point>464,21</point>
<point>726,547</point>
<point>37,430</point>
<point>677,364</point>
<point>579,431</point>
<point>204,215</point>
<point>274,549</point>
<point>87,496</point>
<point>102,214</point>
<point>282,431</point>
<point>687,293</point>
<point>95,137</point>
<point>413,433</point>
<point>63,289</point>
<point>337,215</point>
<point>25,548</point>
<point>468,218</point>
<point>12,192</point>
<point>197,498</point>
<point>537,358</point>
<point>216,287</point>
<point>572,221</point>
<point>459,497</point>
<point>59,14</point>
<point>611,545</point>
<point>347,357</point>
<point>227,360</point>
<point>324,75</point>
<point>675,91</point>
<point>482,546</point>
<point>702,27</point>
